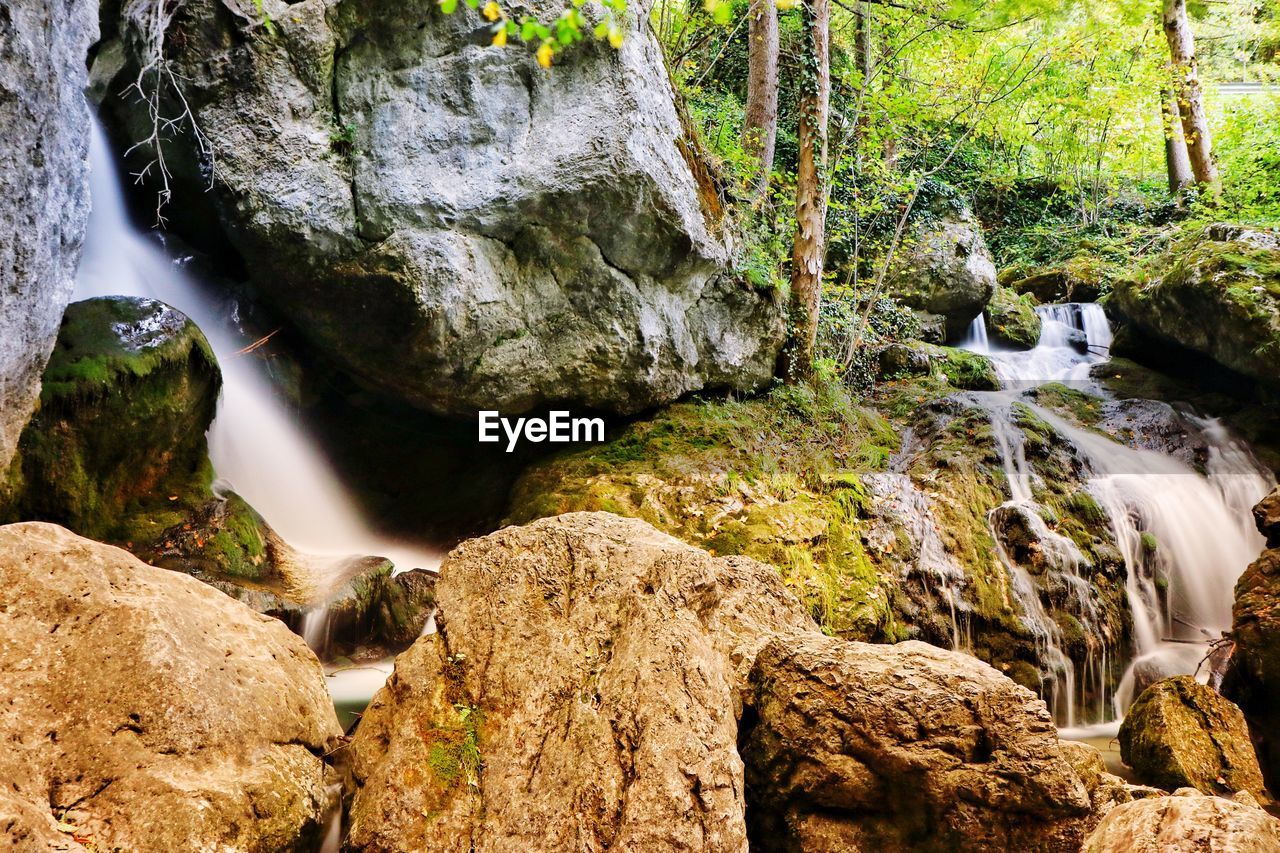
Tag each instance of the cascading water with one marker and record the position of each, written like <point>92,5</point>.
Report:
<point>256,444</point>
<point>1185,536</point>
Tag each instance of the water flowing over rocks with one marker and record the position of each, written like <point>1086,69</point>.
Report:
<point>535,238</point>
<point>1182,734</point>
<point>145,711</point>
<point>1188,822</point>
<point>593,681</point>
<point>44,200</point>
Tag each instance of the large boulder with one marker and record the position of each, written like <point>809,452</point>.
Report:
<point>582,692</point>
<point>1189,822</point>
<point>865,747</point>
<point>1253,680</point>
<point>145,711</point>
<point>593,681</point>
<point>1182,734</point>
<point>944,267</point>
<point>117,451</point>
<point>1216,294</point>
<point>454,224</point>
<point>44,198</point>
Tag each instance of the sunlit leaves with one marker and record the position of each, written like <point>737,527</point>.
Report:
<point>550,37</point>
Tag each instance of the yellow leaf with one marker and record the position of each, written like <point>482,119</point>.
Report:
<point>544,54</point>
<point>786,5</point>
<point>500,38</point>
<point>492,11</point>
<point>615,37</point>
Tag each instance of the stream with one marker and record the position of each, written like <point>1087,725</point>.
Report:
<point>257,445</point>
<point>1180,593</point>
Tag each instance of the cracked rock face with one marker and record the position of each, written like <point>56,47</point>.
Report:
<point>460,227</point>
<point>144,710</point>
<point>44,198</point>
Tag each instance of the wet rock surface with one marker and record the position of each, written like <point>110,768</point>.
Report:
<point>1182,734</point>
<point>146,711</point>
<point>583,263</point>
<point>1012,320</point>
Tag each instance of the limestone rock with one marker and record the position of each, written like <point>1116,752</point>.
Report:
<point>865,747</point>
<point>1217,295</point>
<point>459,227</point>
<point>44,198</point>
<point>1181,734</point>
<point>1080,279</point>
<point>945,268</point>
<point>146,711</point>
<point>1106,790</point>
<point>583,692</point>
<point>1188,823</point>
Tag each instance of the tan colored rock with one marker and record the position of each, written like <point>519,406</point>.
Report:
<point>583,694</point>
<point>1187,823</point>
<point>1181,733</point>
<point>147,711</point>
<point>1106,790</point>
<point>868,748</point>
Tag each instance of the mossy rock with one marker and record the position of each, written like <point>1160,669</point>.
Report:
<point>117,450</point>
<point>1083,278</point>
<point>1217,294</point>
<point>1182,734</point>
<point>1012,319</point>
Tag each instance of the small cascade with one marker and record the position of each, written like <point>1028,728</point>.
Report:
<point>975,338</point>
<point>1185,536</point>
<point>256,443</point>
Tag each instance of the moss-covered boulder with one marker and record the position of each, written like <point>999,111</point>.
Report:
<point>957,368</point>
<point>117,450</point>
<point>1182,734</point>
<point>1083,278</point>
<point>1217,294</point>
<point>1012,319</point>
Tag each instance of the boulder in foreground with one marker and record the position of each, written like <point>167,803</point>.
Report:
<point>144,710</point>
<point>1188,822</point>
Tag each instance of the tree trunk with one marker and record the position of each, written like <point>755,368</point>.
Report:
<point>760,124</point>
<point>1175,146</point>
<point>811,197</point>
<point>1186,80</point>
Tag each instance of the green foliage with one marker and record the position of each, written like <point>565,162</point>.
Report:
<point>550,36</point>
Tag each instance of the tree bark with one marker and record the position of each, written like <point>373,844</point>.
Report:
<point>1186,80</point>
<point>811,197</point>
<point>760,124</point>
<point>1176,161</point>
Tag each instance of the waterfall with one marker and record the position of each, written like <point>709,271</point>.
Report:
<point>256,443</point>
<point>1185,536</point>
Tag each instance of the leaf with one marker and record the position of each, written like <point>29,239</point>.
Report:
<point>448,6</point>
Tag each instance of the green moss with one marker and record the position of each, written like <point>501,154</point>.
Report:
<point>777,478</point>
<point>116,450</point>
<point>968,370</point>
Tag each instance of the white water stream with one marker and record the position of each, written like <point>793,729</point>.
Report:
<point>1179,592</point>
<point>257,445</point>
